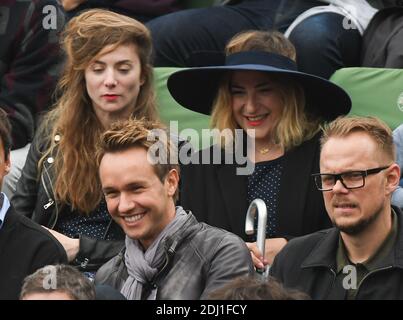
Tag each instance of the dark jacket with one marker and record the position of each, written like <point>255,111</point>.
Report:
<point>217,196</point>
<point>34,199</point>
<point>24,248</point>
<point>29,62</point>
<point>147,8</point>
<point>139,9</point>
<point>199,259</point>
<point>382,44</point>
<point>309,263</point>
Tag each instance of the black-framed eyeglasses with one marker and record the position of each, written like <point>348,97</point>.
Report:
<point>349,179</point>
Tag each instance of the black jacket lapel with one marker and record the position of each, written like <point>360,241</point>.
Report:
<point>295,180</point>
<point>233,189</point>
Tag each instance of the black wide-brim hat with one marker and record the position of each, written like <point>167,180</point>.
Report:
<point>196,88</point>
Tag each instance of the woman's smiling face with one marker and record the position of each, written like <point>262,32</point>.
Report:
<point>256,102</point>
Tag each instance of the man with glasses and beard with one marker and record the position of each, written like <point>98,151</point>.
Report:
<point>362,256</point>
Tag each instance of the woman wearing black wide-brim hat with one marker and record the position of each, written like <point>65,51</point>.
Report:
<point>260,88</point>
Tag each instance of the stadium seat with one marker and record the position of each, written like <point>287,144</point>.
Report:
<point>170,110</point>
<point>374,92</point>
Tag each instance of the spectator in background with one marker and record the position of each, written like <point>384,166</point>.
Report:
<point>361,257</point>
<point>326,33</point>
<point>256,288</point>
<point>142,10</point>
<point>259,89</point>
<point>57,282</point>
<point>64,282</point>
<point>329,37</point>
<point>29,68</point>
<point>107,77</point>
<point>187,37</point>
<point>24,245</point>
<point>378,50</point>
<point>182,39</point>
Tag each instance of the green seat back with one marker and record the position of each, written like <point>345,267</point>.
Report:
<point>374,92</point>
<point>170,110</point>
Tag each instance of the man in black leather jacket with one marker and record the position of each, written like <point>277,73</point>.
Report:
<point>168,253</point>
<point>361,257</point>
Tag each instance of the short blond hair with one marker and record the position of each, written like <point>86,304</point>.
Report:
<point>133,132</point>
<point>378,130</point>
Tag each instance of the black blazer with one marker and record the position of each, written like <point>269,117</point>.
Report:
<point>24,247</point>
<point>217,196</point>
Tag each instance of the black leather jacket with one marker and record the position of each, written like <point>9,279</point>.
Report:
<point>199,259</point>
<point>34,198</point>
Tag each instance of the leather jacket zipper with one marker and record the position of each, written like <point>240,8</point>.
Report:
<point>46,206</point>
<point>51,201</point>
<point>84,263</point>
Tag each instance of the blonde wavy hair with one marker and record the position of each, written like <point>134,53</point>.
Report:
<point>76,172</point>
<point>295,125</point>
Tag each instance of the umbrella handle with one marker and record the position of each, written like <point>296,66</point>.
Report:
<point>257,207</point>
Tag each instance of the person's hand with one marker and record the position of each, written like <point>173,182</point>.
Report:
<point>69,5</point>
<point>70,245</point>
<point>272,247</point>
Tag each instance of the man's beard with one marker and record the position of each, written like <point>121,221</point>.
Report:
<point>360,225</point>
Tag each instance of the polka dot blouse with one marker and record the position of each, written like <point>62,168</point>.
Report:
<point>264,183</point>
<point>93,225</point>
